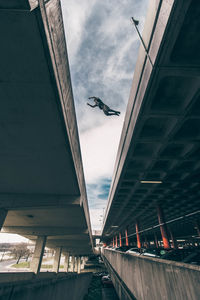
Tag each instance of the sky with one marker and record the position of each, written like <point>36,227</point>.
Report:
<point>102,48</point>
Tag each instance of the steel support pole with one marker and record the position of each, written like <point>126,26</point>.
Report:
<point>163,228</point>
<point>138,235</point>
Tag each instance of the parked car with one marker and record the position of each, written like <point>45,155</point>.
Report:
<point>155,252</point>
<point>136,251</point>
<point>187,255</point>
<point>123,248</point>
<point>100,274</point>
<point>106,281</point>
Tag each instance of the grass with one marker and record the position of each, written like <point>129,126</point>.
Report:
<point>27,265</point>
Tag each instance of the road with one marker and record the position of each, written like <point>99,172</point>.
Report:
<point>109,294</point>
<point>5,264</point>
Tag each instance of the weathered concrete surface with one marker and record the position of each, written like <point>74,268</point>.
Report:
<point>38,254</point>
<point>155,279</point>
<point>49,286</point>
<point>160,136</point>
<point>41,179</point>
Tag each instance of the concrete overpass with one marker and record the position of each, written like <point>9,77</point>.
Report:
<point>154,195</point>
<point>42,186</point>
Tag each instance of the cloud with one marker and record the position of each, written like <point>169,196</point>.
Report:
<point>95,217</point>
<point>75,15</point>
<point>102,47</point>
<point>99,147</point>
<point>99,191</point>
<point>12,238</point>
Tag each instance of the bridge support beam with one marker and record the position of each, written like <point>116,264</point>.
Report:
<point>138,235</point>
<point>79,265</point>
<point>163,228</point>
<point>116,241</point>
<point>56,262</point>
<point>72,263</point>
<point>126,235</point>
<point>197,228</point>
<point>66,262</point>
<point>156,240</point>
<point>146,242</point>
<point>120,239</point>
<point>75,264</point>
<point>3,214</point>
<point>174,241</point>
<point>38,254</point>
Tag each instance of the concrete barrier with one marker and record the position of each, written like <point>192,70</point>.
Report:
<point>48,285</point>
<point>154,279</point>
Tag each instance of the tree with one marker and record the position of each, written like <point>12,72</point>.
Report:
<point>20,250</point>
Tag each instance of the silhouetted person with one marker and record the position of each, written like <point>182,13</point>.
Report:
<point>106,109</point>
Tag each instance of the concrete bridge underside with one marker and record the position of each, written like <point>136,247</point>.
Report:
<point>154,195</point>
<point>160,140</point>
<point>42,187</point>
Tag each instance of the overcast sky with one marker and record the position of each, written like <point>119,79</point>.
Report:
<point>102,48</point>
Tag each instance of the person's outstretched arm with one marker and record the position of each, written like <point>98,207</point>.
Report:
<point>93,97</point>
<point>92,105</point>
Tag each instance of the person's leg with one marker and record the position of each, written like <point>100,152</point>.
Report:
<point>112,110</point>
<point>110,114</point>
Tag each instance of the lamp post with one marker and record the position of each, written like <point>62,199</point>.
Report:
<point>135,23</point>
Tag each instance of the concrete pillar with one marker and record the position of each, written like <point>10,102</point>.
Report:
<point>72,263</point>
<point>84,259</point>
<point>146,242</point>
<point>79,265</point>
<point>113,242</point>
<point>138,235</point>
<point>126,235</point>
<point>38,254</point>
<point>76,264</point>
<point>120,239</point>
<point>156,240</point>
<point>116,241</point>
<point>56,262</point>
<point>66,262</point>
<point>174,241</point>
<point>197,226</point>
<point>163,228</point>
<point>3,214</point>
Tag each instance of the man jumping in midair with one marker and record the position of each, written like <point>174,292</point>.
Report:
<point>106,109</point>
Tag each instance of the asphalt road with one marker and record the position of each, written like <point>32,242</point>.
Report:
<point>5,264</point>
<point>109,294</point>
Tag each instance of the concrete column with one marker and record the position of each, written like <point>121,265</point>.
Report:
<point>174,241</point>
<point>138,235</point>
<point>3,214</point>
<point>163,228</point>
<point>72,263</point>
<point>120,239</point>
<point>56,262</point>
<point>146,242</point>
<point>38,254</point>
<point>66,262</point>
<point>126,235</point>
<point>197,228</point>
<point>116,241</point>
<point>83,262</point>
<point>76,265</point>
<point>113,241</point>
<point>156,240</point>
<point>79,265</point>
